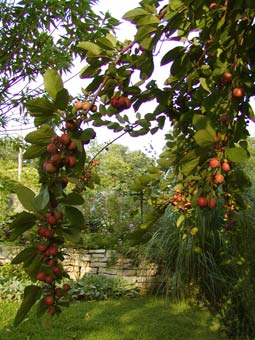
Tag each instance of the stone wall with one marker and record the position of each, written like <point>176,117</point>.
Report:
<point>109,263</point>
<point>80,262</point>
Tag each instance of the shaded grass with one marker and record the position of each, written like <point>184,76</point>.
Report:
<point>143,318</point>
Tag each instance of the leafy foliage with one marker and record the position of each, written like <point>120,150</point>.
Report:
<point>13,281</point>
<point>52,29</point>
<point>99,287</point>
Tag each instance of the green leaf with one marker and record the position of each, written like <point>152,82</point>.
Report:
<point>74,216</point>
<point>26,197</point>
<point>42,199</point>
<point>87,135</point>
<point>73,199</point>
<point>105,43</point>
<point>172,54</point>
<point>31,295</point>
<point>62,99</point>
<point>90,47</point>
<point>34,151</point>
<point>205,137</point>
<point>204,84</point>
<point>26,256</point>
<point>189,162</point>
<point>143,32</point>
<point>41,136</point>
<point>147,20</point>
<point>40,106</point>
<point>199,121</point>
<point>136,12</point>
<point>180,221</point>
<point>73,234</point>
<point>237,154</point>
<point>89,71</point>
<point>52,83</point>
<point>22,222</point>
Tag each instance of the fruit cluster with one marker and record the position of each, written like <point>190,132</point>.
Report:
<point>180,200</point>
<point>121,102</point>
<point>51,269</point>
<point>61,151</point>
<point>85,106</point>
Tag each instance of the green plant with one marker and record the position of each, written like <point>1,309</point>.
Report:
<point>13,281</point>
<point>100,287</point>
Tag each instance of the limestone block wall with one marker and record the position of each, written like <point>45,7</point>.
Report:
<point>80,262</point>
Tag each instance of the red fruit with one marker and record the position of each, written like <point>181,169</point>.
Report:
<point>54,139</point>
<point>48,279</point>
<point>41,231</point>
<point>58,292</point>
<point>212,5</point>
<point>211,203</point>
<point>128,102</point>
<point>86,106</point>
<point>66,287</point>
<point>179,198</point>
<point>58,215</point>
<point>238,92</point>
<point>48,300</point>
<point>51,310</point>
<point>48,233</point>
<point>52,148</point>
<point>72,146</point>
<point>71,161</point>
<point>50,168</point>
<point>226,166</point>
<point>94,108</point>
<point>122,102</point>
<point>202,202</point>
<point>52,262</point>
<point>214,163</point>
<point>41,247</point>
<point>78,105</point>
<point>52,250</point>
<point>65,139</point>
<point>55,159</point>
<point>114,102</point>
<point>227,77</point>
<point>218,179</point>
<point>51,219</point>
<point>41,276</point>
<point>70,124</point>
<point>57,270</point>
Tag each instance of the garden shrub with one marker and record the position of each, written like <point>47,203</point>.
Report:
<point>13,281</point>
<point>100,287</point>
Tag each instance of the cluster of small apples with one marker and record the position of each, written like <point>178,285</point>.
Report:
<point>121,102</point>
<point>51,300</point>
<point>51,270</point>
<point>237,92</point>
<point>85,106</point>
<point>61,151</point>
<point>218,178</point>
<point>219,165</point>
<point>180,200</point>
<point>206,202</point>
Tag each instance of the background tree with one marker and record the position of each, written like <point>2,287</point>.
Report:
<point>114,210</point>
<point>37,35</point>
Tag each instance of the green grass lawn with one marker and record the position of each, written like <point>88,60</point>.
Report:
<point>143,318</point>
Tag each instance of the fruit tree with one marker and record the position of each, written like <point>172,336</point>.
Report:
<point>204,101</point>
